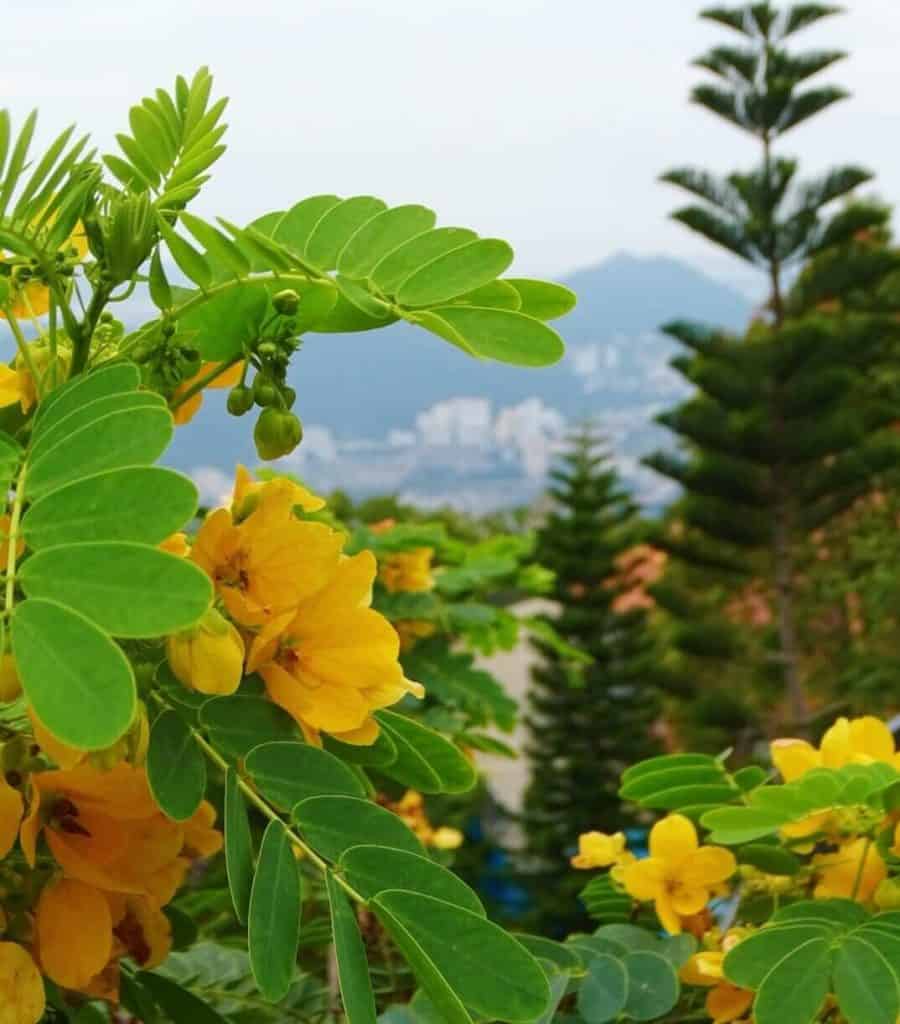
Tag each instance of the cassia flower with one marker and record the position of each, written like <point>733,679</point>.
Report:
<point>209,657</point>
<point>264,565</point>
<point>407,571</point>
<point>853,871</point>
<point>680,875</point>
<point>599,850</point>
<point>334,660</point>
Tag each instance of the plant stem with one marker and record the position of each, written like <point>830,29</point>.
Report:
<point>81,342</point>
<point>24,350</point>
<point>857,882</point>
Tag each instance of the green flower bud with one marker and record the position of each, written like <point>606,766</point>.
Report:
<point>286,302</point>
<point>267,349</point>
<point>277,433</point>
<point>264,391</point>
<point>240,400</point>
<point>289,395</point>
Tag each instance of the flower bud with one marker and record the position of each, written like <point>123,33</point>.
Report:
<point>10,684</point>
<point>264,391</point>
<point>277,433</point>
<point>209,657</point>
<point>240,400</point>
<point>267,349</point>
<point>286,302</point>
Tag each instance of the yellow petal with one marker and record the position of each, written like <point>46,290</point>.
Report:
<point>835,745</point>
<point>9,385</point>
<point>673,839</point>
<point>794,758</point>
<point>644,879</point>
<point>228,378</point>
<point>689,900</point>
<point>21,988</point>
<point>74,930</point>
<point>871,738</point>
<point>668,916</point>
<point>707,867</point>
<point>727,1003</point>
<point>703,969</point>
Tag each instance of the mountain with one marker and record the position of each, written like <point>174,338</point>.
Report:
<point>397,410</point>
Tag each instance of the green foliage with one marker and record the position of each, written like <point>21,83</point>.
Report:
<point>592,698</point>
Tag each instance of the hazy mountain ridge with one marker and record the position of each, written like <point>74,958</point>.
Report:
<point>399,411</point>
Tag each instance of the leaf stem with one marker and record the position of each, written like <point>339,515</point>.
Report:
<point>269,812</point>
<point>204,381</point>
<point>24,350</point>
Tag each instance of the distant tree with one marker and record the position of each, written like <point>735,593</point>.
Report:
<point>586,722</point>
<point>784,431</point>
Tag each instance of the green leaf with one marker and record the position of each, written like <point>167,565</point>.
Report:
<point>372,869</point>
<point>866,984</point>
<point>336,227</point>
<point>294,227</point>
<point>771,859</point>
<point>191,263</point>
<point>177,1003</point>
<point>286,773</point>
<point>223,325</point>
<point>653,987</point>
<point>87,414</point>
<point>497,334</point>
<point>668,762</point>
<point>629,936</point>
<point>455,272</point>
<point>273,927</point>
<point>734,825</point>
<point>129,590</point>
<point>494,295</point>
<point>160,289</point>
<point>127,438</point>
<point>420,250</point>
<point>239,864</point>
<point>353,969</point>
<point>797,985</point>
<point>483,965</point>
<point>381,235</point>
<point>378,754</point>
<point>238,723</point>
<point>542,299</point>
<point>218,245</point>
<point>417,746</point>
<point>604,991</point>
<point>57,652</point>
<point>137,503</point>
<point>547,949</point>
<point>176,768</point>
<point>107,380</point>
<point>332,824</point>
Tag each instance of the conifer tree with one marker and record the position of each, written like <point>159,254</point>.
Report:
<point>586,722</point>
<point>784,430</point>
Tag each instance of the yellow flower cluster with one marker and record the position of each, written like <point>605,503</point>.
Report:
<point>409,572</point>
<point>299,611</point>
<point>116,861</point>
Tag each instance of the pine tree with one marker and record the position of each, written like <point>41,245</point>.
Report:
<point>784,431</point>
<point>586,723</point>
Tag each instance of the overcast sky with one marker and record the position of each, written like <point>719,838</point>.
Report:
<point>542,121</point>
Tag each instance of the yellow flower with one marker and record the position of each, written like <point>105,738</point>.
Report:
<point>446,838</point>
<point>599,850</point>
<point>725,1002</point>
<point>410,808</point>
<point>209,657</point>
<point>408,571</point>
<point>17,383</point>
<point>854,871</point>
<point>334,660</point>
<point>189,408</point>
<point>266,564</point>
<point>865,740</point>
<point>176,544</point>
<point>12,807</point>
<point>21,988</point>
<point>104,829</point>
<point>679,876</point>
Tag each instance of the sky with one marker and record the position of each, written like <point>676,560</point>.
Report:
<point>545,122</point>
